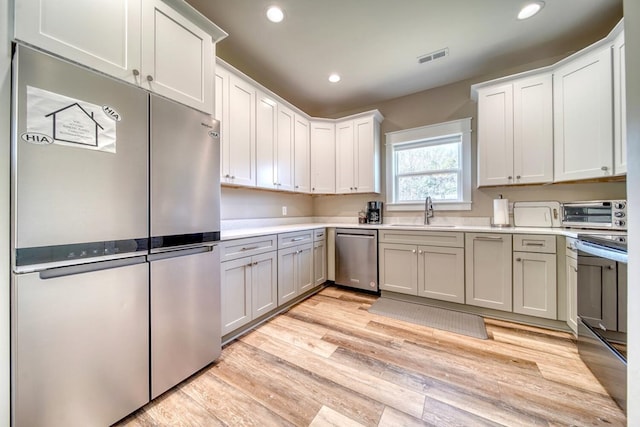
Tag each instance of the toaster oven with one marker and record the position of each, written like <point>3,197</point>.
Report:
<point>599,214</point>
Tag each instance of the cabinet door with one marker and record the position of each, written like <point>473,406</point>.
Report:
<point>264,283</point>
<point>101,34</point>
<point>323,157</point>
<point>235,294</point>
<point>398,265</point>
<point>533,130</point>
<point>284,159</point>
<point>221,113</point>
<point>495,135</point>
<point>241,133</point>
<point>177,56</point>
<point>534,284</point>
<point>583,117</point>
<point>488,270</point>
<point>365,157</point>
<point>598,292</point>
<point>572,293</point>
<point>441,273</point>
<point>266,139</point>
<point>304,268</point>
<point>619,107</point>
<point>301,155</point>
<point>345,159</point>
<point>319,263</point>
<point>287,289</point>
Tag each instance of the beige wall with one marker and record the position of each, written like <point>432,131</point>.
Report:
<point>245,203</point>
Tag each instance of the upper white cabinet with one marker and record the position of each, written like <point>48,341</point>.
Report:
<point>285,144</point>
<point>619,107</point>
<point>358,153</point>
<point>236,109</point>
<point>583,116</point>
<point>515,132</point>
<point>266,141</point>
<point>302,153</point>
<point>323,156</point>
<point>165,47</point>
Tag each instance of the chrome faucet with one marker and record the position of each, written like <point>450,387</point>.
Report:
<point>428,210</point>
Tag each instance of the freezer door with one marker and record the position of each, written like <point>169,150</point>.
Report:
<point>80,344</point>
<point>73,191</point>
<point>185,178</point>
<point>185,314</point>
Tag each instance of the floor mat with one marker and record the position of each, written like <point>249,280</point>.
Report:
<point>433,317</point>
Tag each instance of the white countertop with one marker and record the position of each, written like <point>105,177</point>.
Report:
<point>239,233</point>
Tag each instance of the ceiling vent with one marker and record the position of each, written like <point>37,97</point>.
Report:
<point>429,57</point>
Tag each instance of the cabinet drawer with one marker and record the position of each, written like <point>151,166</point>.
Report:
<point>534,243</point>
<point>286,240</point>
<point>239,248</point>
<point>319,234</point>
<point>428,238</point>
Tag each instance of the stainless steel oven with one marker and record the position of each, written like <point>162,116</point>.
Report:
<point>597,214</point>
<point>602,310</point>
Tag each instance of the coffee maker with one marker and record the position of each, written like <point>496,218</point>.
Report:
<point>374,212</point>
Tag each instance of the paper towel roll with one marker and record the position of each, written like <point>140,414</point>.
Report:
<point>501,212</point>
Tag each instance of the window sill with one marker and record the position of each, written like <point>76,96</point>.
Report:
<point>437,206</point>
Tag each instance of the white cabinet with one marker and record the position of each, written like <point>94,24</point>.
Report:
<point>619,107</point>
<point>266,141</point>
<point>583,116</point>
<point>358,154</point>
<point>249,285</point>
<point>426,264</point>
<point>319,257</point>
<point>302,159</point>
<point>236,108</point>
<point>534,276</point>
<point>488,270</point>
<point>284,148</point>
<point>515,132</point>
<point>323,156</point>
<point>571,277</point>
<point>166,47</point>
<point>295,272</point>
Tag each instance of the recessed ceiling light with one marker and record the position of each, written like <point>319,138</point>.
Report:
<point>530,9</point>
<point>334,78</point>
<point>275,14</point>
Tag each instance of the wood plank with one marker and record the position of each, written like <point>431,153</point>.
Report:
<point>327,417</point>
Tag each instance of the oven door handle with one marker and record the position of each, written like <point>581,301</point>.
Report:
<point>601,251</point>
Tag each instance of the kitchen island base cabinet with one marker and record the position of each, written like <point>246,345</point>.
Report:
<point>488,270</point>
<point>249,289</point>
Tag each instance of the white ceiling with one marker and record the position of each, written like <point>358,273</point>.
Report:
<point>374,44</point>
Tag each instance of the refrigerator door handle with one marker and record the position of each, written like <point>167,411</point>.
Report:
<point>53,273</point>
<point>180,252</point>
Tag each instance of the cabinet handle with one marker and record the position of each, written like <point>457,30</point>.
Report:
<point>255,263</point>
<point>488,238</point>
<point>604,168</point>
<point>149,78</point>
<point>136,73</point>
<point>248,265</point>
<point>249,248</point>
<point>534,244</point>
<point>610,267</point>
<point>518,259</point>
<point>574,269</point>
<point>297,239</point>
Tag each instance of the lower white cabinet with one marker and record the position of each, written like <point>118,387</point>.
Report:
<point>434,269</point>
<point>295,272</point>
<point>571,272</point>
<point>319,257</point>
<point>535,287</point>
<point>248,289</point>
<point>488,270</point>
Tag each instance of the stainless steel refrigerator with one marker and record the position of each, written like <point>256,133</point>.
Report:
<point>115,287</point>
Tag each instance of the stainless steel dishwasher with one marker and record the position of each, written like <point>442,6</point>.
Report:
<point>357,258</point>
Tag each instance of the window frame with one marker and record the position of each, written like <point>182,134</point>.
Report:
<point>436,133</point>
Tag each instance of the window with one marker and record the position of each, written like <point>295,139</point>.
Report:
<point>431,161</point>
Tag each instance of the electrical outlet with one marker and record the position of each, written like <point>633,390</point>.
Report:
<point>284,211</point>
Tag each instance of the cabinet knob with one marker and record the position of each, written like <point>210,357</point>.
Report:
<point>420,252</point>
<point>233,177</point>
<point>313,188</point>
<point>255,263</point>
<point>227,176</point>
<point>509,177</point>
<point>297,186</point>
<point>574,269</point>
<point>275,183</point>
<point>136,73</point>
<point>351,188</point>
<point>610,267</point>
<point>518,259</point>
<point>413,251</point>
<point>149,78</point>
<point>605,168</point>
<point>517,176</point>
<point>355,188</point>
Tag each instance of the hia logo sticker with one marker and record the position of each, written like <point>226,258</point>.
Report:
<point>111,113</point>
<point>36,138</point>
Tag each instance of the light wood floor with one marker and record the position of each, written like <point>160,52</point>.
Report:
<point>328,362</point>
